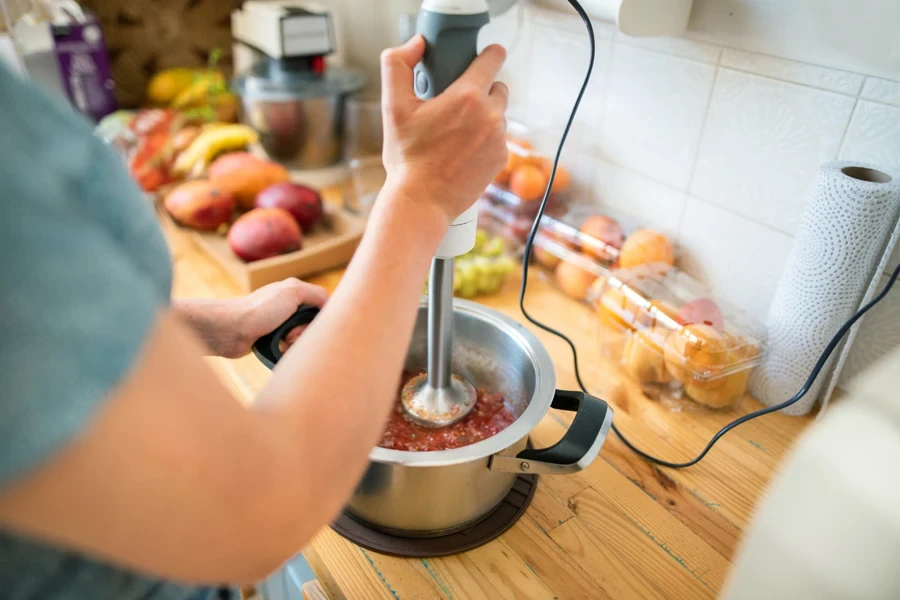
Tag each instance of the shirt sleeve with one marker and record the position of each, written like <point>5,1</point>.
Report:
<point>74,308</point>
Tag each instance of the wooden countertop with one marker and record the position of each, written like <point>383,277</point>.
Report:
<point>620,529</point>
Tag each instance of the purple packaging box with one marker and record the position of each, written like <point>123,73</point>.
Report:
<point>84,67</point>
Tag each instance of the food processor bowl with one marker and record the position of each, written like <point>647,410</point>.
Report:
<point>299,116</point>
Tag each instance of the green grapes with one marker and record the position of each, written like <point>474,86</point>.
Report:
<point>483,270</point>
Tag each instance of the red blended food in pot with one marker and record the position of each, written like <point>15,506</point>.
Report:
<point>489,416</point>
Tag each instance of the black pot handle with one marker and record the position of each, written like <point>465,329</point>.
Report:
<point>266,348</point>
<point>578,447</point>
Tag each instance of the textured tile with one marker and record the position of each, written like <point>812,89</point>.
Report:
<point>763,143</point>
<point>740,260</point>
<point>556,73</point>
<point>859,37</point>
<point>565,18</point>
<point>878,335</point>
<point>637,200</point>
<point>676,46</point>
<point>794,72</point>
<point>874,136</point>
<point>882,90</point>
<point>654,113</point>
<point>513,31</point>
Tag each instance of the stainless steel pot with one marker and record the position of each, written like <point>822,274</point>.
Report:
<point>433,493</point>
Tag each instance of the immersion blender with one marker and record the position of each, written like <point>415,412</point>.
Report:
<point>439,397</point>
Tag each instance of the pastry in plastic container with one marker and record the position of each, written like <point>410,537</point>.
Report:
<point>675,338</point>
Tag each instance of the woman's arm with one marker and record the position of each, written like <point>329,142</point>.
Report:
<point>229,326</point>
<point>177,478</point>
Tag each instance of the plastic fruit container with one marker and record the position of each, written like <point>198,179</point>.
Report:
<point>676,339</point>
<point>520,186</point>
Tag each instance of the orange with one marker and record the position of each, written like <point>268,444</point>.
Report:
<point>646,247</point>
<point>563,180</point>
<point>513,162</point>
<point>573,280</point>
<point>528,183</point>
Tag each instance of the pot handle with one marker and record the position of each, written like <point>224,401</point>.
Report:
<point>266,347</point>
<point>578,447</point>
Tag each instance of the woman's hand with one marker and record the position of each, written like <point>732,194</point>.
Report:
<point>444,151</point>
<point>229,327</point>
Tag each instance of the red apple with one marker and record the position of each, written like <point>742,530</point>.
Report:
<point>304,203</point>
<point>264,233</point>
<point>702,311</point>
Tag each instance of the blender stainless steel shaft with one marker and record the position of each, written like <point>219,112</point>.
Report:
<point>439,398</point>
<point>440,322</point>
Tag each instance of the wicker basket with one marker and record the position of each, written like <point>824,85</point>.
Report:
<point>145,36</point>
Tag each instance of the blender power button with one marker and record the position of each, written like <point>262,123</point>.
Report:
<point>421,82</point>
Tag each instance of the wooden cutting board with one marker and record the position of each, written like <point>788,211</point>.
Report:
<point>331,244</point>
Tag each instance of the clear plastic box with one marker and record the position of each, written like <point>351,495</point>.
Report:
<point>519,188</point>
<point>585,246</point>
<point>676,339</point>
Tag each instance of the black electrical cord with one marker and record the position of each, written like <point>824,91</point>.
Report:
<point>820,364</point>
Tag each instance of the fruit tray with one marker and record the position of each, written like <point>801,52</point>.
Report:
<point>330,244</point>
<point>676,339</point>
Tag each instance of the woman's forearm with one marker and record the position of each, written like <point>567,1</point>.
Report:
<point>211,320</point>
<point>333,389</point>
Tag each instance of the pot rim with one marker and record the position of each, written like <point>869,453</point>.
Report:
<point>545,387</point>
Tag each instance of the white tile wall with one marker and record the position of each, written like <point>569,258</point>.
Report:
<point>628,196</point>
<point>740,260</point>
<point>882,90</point>
<point>874,136</point>
<point>556,74</point>
<point>680,46</point>
<point>513,32</point>
<point>788,70</point>
<point>654,113</point>
<point>716,137</point>
<point>763,143</point>
<point>858,36</point>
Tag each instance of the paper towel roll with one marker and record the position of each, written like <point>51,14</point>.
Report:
<point>844,241</point>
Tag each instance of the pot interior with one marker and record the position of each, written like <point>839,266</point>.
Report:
<point>496,354</point>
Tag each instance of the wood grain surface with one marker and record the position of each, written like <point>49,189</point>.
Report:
<point>620,529</point>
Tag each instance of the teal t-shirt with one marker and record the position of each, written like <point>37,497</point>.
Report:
<point>84,271</point>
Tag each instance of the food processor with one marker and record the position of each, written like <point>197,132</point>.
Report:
<point>440,502</point>
<point>292,89</point>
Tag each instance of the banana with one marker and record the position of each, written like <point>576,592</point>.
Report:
<point>212,142</point>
